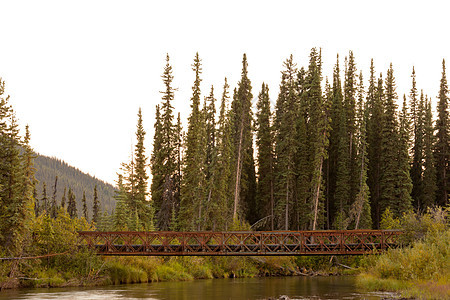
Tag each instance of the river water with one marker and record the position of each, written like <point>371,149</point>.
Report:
<point>335,287</point>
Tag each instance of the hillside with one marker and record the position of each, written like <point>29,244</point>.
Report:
<point>47,168</point>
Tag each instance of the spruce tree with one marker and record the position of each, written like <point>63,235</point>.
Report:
<point>265,161</point>
<point>442,146</point>
<point>72,205</point>
<point>244,170</point>
<point>44,198</point>
<point>54,205</point>
<point>83,201</point>
<point>63,198</point>
<point>375,106</point>
<point>318,132</point>
<point>336,110</point>
<point>395,184</point>
<point>222,195</point>
<point>122,215</point>
<point>286,145</point>
<point>95,207</point>
<point>350,90</point>
<point>429,186</point>
<point>360,209</point>
<point>192,185</point>
<point>139,201</point>
<point>167,150</point>
<point>157,162</point>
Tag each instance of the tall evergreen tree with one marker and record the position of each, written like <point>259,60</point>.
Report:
<point>122,214</point>
<point>83,201</point>
<point>192,186</point>
<point>157,162</point>
<point>375,106</point>
<point>350,91</point>
<point>95,207</point>
<point>442,146</point>
<point>167,149</point>
<point>72,205</point>
<point>244,177</point>
<point>286,144</point>
<point>318,129</point>
<point>221,204</point>
<point>178,174</point>
<point>265,161</point>
<point>429,186</point>
<point>395,184</point>
<point>139,201</point>
<point>44,199</point>
<point>360,209</point>
<point>63,198</point>
<point>333,155</point>
<point>54,205</point>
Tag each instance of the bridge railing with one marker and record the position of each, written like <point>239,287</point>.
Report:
<point>327,242</point>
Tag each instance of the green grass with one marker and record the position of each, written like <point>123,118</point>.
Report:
<point>421,270</point>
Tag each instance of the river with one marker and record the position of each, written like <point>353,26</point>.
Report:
<point>335,287</point>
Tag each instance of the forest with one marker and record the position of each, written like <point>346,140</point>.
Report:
<point>331,154</point>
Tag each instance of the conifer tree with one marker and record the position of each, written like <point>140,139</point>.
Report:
<point>350,89</point>
<point>318,129</point>
<point>139,201</point>
<point>210,158</point>
<point>83,201</point>
<point>178,174</point>
<point>44,199</point>
<point>265,161</point>
<point>244,170</point>
<point>167,149</point>
<point>63,198</point>
<point>95,207</point>
<point>157,162</point>
<point>442,146</point>
<point>375,106</point>
<point>192,186</point>
<point>71,206</point>
<point>360,209</point>
<point>122,215</point>
<point>54,206</point>
<point>221,198</point>
<point>333,155</point>
<point>395,184</point>
<point>286,144</point>
<point>16,181</point>
<point>418,115</point>
<point>429,186</point>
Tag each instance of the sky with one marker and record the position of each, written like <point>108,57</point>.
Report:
<point>78,71</point>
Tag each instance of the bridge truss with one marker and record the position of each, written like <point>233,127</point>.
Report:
<point>239,243</point>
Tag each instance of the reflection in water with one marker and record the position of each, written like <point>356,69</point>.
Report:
<point>338,287</point>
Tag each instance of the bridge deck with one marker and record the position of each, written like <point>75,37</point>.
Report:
<point>239,243</point>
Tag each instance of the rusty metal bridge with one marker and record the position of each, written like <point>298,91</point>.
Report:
<point>240,243</point>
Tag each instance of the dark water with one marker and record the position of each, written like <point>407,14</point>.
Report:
<point>338,287</point>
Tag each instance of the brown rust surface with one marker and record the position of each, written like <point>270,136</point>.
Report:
<point>239,243</point>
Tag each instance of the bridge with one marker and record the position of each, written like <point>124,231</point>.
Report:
<point>239,243</point>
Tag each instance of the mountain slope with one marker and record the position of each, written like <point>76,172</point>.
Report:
<point>47,168</point>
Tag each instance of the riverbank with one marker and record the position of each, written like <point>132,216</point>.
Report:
<point>87,269</point>
<point>419,270</point>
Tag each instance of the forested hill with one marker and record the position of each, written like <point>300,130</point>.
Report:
<point>47,168</point>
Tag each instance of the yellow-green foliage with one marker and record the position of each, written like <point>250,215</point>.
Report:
<point>422,268</point>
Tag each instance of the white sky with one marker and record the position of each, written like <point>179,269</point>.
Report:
<point>77,71</point>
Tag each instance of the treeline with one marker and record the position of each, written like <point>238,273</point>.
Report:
<point>334,154</point>
<point>53,172</point>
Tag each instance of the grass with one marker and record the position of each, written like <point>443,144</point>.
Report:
<point>421,270</point>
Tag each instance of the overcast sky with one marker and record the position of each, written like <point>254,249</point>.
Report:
<point>77,71</point>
